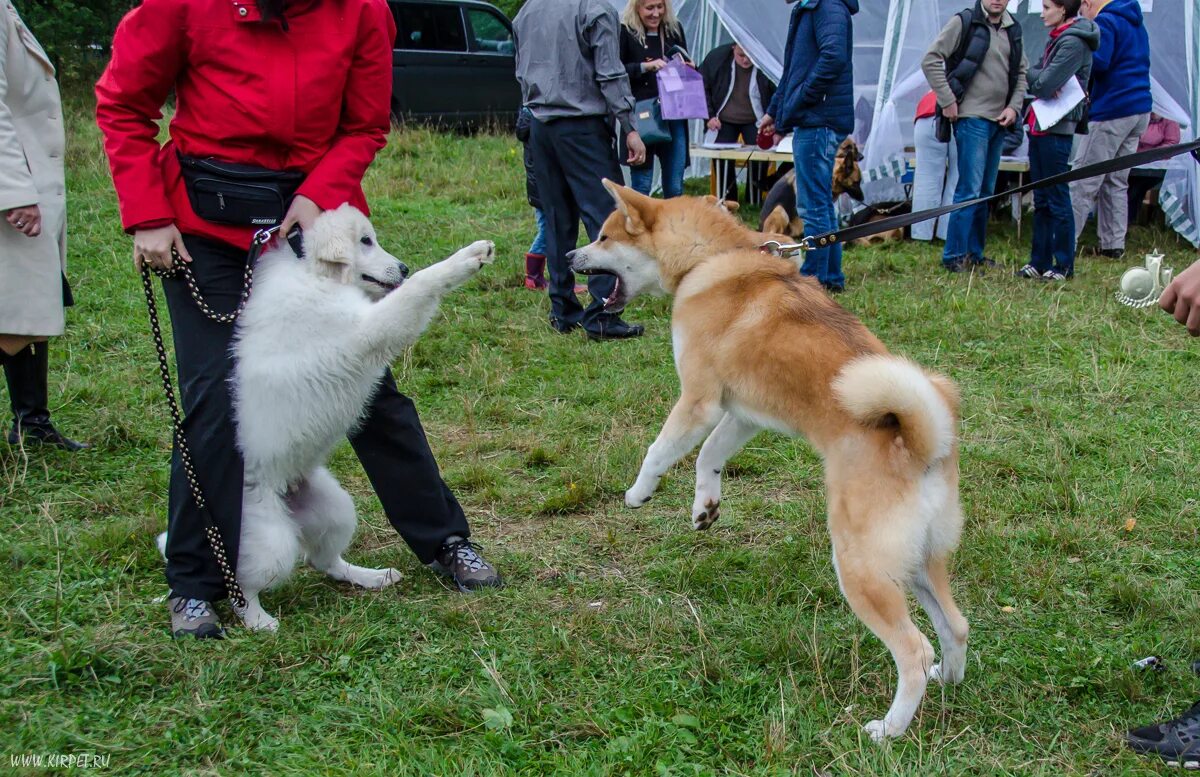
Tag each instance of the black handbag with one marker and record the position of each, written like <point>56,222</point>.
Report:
<point>649,122</point>
<point>943,128</point>
<point>237,194</point>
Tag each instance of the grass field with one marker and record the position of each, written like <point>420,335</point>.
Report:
<point>624,643</point>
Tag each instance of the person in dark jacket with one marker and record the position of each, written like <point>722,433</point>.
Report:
<point>977,68</point>
<point>1120,113</point>
<point>650,35</point>
<point>815,100</point>
<point>1068,55</point>
<point>738,95</point>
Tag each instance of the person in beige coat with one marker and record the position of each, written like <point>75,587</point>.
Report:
<point>33,203</point>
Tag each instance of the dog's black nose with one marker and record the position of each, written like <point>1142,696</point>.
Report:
<point>403,270</point>
<point>571,257</point>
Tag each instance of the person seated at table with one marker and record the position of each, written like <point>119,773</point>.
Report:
<point>738,93</point>
<point>1160,132</point>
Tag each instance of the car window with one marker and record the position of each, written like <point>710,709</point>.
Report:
<point>489,33</point>
<point>429,27</point>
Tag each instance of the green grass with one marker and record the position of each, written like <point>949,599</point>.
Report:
<point>624,642</point>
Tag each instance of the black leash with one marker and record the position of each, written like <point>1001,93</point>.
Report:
<point>896,222</point>
<point>179,267</point>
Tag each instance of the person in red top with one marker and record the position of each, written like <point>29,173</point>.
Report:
<point>281,85</point>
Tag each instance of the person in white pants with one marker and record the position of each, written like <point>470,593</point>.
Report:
<point>936,174</point>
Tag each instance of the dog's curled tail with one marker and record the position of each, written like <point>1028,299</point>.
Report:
<point>889,392</point>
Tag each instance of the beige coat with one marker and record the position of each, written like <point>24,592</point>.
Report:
<point>32,142</point>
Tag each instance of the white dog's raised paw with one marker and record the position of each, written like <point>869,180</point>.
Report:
<point>878,730</point>
<point>372,579</point>
<point>481,252</point>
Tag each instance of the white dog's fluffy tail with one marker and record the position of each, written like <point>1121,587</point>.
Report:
<point>925,407</point>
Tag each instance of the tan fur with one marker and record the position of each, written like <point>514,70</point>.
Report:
<point>758,345</point>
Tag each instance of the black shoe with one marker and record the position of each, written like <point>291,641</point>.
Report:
<point>957,265</point>
<point>26,374</point>
<point>461,561</point>
<point>562,327</point>
<point>1177,741</point>
<point>615,329</point>
<point>833,288</point>
<point>1111,253</point>
<point>984,263</point>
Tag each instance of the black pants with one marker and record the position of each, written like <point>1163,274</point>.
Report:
<point>390,443</point>
<point>735,133</point>
<point>570,158</point>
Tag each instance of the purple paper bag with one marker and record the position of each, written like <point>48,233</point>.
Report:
<point>681,91</point>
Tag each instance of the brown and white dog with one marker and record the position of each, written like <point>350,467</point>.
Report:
<point>758,346</point>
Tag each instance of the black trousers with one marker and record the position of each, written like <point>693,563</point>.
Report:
<point>570,158</point>
<point>390,442</point>
<point>734,133</point>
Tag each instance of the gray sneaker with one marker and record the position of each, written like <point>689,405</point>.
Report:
<point>194,618</point>
<point>459,560</point>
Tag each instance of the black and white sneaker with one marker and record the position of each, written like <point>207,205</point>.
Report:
<point>1028,271</point>
<point>1053,275</point>
<point>460,560</point>
<point>1177,741</point>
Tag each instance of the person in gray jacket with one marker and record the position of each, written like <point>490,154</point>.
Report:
<point>1068,55</point>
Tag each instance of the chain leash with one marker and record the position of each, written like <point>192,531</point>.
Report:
<point>180,268</point>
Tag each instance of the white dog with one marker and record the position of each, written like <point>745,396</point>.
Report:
<point>311,346</point>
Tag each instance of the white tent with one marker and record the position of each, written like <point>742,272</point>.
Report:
<point>891,38</point>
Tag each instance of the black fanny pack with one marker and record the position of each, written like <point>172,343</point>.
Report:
<point>241,195</point>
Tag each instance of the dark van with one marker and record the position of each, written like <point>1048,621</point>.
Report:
<point>453,63</point>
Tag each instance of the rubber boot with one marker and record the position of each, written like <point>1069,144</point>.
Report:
<point>27,375</point>
<point>535,272</point>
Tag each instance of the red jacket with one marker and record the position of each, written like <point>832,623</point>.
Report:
<point>311,93</point>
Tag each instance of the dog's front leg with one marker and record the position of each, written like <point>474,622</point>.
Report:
<point>399,318</point>
<point>726,440</point>
<point>690,421</point>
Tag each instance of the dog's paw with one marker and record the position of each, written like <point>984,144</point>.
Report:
<point>879,731</point>
<point>260,621</point>
<point>479,253</point>
<point>372,579</point>
<point>637,497</point>
<point>705,515</point>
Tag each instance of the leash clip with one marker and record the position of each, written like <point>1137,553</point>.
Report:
<point>263,236</point>
<point>786,250</point>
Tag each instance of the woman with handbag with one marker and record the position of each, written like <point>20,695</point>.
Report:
<point>33,289</point>
<point>650,35</point>
<point>293,95</point>
<point>1068,55</point>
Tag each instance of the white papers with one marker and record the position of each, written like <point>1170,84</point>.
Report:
<point>1051,111</point>
<point>669,80</point>
<point>785,146</point>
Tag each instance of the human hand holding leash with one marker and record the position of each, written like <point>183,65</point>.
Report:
<point>27,220</point>
<point>714,124</point>
<point>302,211</point>
<point>1181,299</point>
<point>153,247</point>
<point>637,149</point>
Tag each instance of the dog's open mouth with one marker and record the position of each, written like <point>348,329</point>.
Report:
<point>385,285</point>
<point>616,298</point>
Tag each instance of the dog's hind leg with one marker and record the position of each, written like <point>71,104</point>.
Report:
<point>325,514</point>
<point>692,418</point>
<point>726,440</point>
<point>931,585</point>
<point>270,547</point>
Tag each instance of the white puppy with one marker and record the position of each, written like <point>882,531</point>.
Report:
<point>311,346</point>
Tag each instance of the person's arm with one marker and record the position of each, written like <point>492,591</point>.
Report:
<point>365,113</point>
<point>833,52</point>
<point>708,69</point>
<point>633,65</point>
<point>600,36</point>
<point>148,54</point>
<point>1102,56</point>
<point>1181,298</point>
<point>1045,82</point>
<point>934,62</point>
<point>1018,96</point>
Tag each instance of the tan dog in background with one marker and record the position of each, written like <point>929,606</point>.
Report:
<point>758,346</point>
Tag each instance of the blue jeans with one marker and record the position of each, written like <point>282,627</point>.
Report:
<point>979,143</point>
<point>539,242</point>
<point>672,159</point>
<point>813,149</point>
<point>1053,219</point>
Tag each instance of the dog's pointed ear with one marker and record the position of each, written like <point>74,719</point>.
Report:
<point>776,221</point>
<point>733,206</point>
<point>330,247</point>
<point>638,209</point>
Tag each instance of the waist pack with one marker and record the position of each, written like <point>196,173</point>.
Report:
<point>237,194</point>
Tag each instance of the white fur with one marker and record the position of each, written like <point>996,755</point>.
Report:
<point>310,349</point>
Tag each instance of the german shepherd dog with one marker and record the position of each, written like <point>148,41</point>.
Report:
<point>758,346</point>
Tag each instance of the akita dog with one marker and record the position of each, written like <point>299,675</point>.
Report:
<point>758,346</point>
